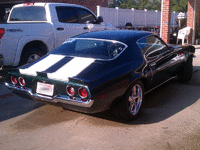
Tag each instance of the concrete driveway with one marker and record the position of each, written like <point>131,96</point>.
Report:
<point>170,120</point>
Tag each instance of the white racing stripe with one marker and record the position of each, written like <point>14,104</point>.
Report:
<point>42,65</point>
<point>72,68</point>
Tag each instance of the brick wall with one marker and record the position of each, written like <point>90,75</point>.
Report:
<point>166,16</point>
<point>190,15</point>
<point>190,18</point>
<point>198,20</point>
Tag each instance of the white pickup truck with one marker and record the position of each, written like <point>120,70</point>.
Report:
<point>34,29</point>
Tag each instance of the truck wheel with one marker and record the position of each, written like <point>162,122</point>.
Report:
<point>30,55</point>
<point>131,105</point>
<point>185,74</point>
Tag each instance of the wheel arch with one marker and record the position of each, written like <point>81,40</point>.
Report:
<point>129,107</point>
<point>136,77</point>
<point>39,45</point>
<point>36,43</point>
<point>118,99</point>
<point>26,42</point>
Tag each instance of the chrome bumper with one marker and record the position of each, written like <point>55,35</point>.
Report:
<point>1,60</point>
<point>56,99</point>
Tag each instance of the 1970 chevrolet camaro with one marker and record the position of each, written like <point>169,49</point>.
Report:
<point>95,71</point>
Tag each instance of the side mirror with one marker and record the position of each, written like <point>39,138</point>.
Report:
<point>99,19</point>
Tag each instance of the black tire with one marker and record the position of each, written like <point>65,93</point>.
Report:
<point>185,74</point>
<point>30,55</point>
<point>127,108</point>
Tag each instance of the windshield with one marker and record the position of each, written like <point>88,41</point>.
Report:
<point>91,48</point>
<point>28,14</point>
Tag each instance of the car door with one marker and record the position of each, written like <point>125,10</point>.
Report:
<point>160,59</point>
<point>73,21</point>
<point>89,20</point>
<point>67,25</point>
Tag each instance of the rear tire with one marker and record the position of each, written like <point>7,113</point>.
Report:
<point>30,55</point>
<point>185,74</point>
<point>131,105</point>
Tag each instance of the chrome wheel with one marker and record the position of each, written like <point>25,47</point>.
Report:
<point>131,105</point>
<point>135,99</point>
<point>33,58</point>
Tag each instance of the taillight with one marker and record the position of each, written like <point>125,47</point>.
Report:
<point>21,81</point>
<point>70,90</point>
<point>82,92</point>
<point>2,31</point>
<point>181,53</point>
<point>14,80</point>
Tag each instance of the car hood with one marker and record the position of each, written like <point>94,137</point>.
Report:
<point>64,68</point>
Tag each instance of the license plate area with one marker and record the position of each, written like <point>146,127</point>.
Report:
<point>45,89</point>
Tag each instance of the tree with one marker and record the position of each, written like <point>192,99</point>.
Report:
<point>179,5</point>
<point>115,3</point>
<point>127,4</point>
<point>156,5</point>
<point>137,4</point>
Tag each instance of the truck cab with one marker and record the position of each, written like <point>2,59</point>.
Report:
<point>34,29</point>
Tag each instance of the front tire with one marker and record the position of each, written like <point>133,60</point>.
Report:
<point>185,74</point>
<point>131,105</point>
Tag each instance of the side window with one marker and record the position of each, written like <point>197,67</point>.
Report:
<point>66,15</point>
<point>85,16</point>
<point>152,46</point>
<point>35,13</point>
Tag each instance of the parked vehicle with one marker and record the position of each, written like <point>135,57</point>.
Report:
<point>95,71</point>
<point>33,29</point>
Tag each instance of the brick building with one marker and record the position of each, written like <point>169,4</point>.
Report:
<point>91,4</point>
<point>193,20</point>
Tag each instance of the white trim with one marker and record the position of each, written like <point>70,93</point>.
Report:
<point>71,69</point>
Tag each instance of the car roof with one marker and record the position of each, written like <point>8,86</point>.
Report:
<point>118,35</point>
<point>47,3</point>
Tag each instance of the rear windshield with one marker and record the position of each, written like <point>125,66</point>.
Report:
<point>91,48</point>
<point>30,13</point>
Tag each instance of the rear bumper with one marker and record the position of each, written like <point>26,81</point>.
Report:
<point>1,60</point>
<point>24,92</point>
<point>86,106</point>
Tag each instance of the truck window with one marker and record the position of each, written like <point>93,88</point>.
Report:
<point>66,15</point>
<point>85,16</point>
<point>30,13</point>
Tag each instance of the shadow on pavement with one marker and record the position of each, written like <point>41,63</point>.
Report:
<point>11,105</point>
<point>162,103</point>
<point>14,106</point>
